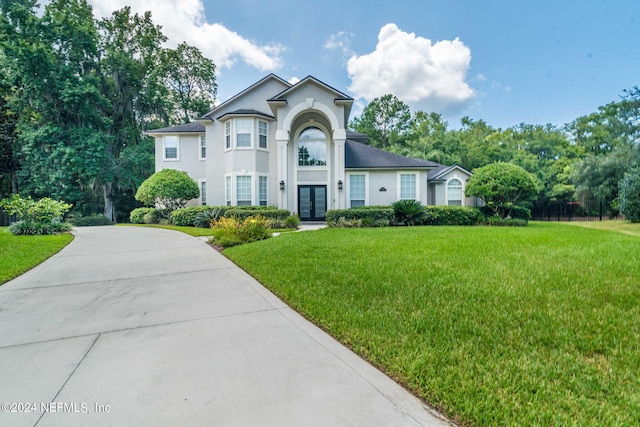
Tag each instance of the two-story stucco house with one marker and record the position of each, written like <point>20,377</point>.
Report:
<point>288,145</point>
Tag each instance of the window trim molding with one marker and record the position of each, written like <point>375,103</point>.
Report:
<point>446,189</point>
<point>164,149</point>
<point>201,139</point>
<point>366,187</point>
<point>416,174</point>
<point>258,176</point>
<point>258,134</point>
<point>327,146</point>
<point>203,194</point>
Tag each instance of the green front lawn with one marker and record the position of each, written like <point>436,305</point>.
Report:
<point>192,231</point>
<point>536,325</point>
<point>21,253</point>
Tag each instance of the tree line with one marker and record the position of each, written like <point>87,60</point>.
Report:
<point>585,161</point>
<point>77,94</point>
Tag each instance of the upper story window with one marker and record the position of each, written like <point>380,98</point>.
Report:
<point>227,135</point>
<point>246,133</point>
<point>243,132</point>
<point>454,192</point>
<point>203,147</point>
<point>171,145</point>
<point>262,134</point>
<point>312,147</point>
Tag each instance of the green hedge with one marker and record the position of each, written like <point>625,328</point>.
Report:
<point>242,212</point>
<point>452,215</point>
<point>185,217</point>
<point>137,215</point>
<point>366,216</point>
<point>90,221</point>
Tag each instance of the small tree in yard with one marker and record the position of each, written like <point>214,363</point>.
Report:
<point>170,189</point>
<point>629,195</point>
<point>502,186</point>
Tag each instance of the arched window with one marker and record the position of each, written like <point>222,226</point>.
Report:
<point>312,147</point>
<point>454,192</point>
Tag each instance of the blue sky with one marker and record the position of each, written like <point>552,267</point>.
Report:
<point>506,62</point>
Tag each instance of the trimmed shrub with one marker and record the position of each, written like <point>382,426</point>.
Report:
<point>137,215</point>
<point>506,222</point>
<point>185,217</point>
<point>90,221</point>
<point>452,215</point>
<point>520,212</point>
<point>155,216</point>
<point>408,212</point>
<point>370,216</point>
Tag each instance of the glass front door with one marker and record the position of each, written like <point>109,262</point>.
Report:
<point>312,202</point>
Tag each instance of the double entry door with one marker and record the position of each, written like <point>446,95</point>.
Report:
<point>312,202</point>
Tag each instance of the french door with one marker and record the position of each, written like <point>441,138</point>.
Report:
<point>312,202</point>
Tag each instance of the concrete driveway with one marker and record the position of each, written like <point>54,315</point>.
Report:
<point>131,326</point>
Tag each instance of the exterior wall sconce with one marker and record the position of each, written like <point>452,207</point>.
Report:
<point>340,184</point>
<point>282,185</point>
<point>382,189</point>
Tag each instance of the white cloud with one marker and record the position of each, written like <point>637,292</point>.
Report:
<point>340,41</point>
<point>425,75</point>
<point>293,80</point>
<point>186,21</point>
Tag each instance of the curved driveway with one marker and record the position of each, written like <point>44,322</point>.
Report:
<point>133,326</point>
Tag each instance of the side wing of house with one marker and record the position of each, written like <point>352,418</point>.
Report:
<point>183,148</point>
<point>447,186</point>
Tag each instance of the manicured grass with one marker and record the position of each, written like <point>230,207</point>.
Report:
<point>621,226</point>
<point>192,231</point>
<point>196,231</point>
<point>536,325</point>
<point>21,253</point>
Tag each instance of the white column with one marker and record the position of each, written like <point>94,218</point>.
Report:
<point>282,141</point>
<point>339,137</point>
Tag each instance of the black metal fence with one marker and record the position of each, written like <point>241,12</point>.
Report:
<point>576,211</point>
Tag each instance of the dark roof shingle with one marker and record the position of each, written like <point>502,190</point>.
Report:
<point>186,128</point>
<point>362,156</point>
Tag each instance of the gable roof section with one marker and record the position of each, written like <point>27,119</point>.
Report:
<point>339,96</point>
<point>260,82</point>
<point>246,112</point>
<point>362,156</point>
<point>439,173</point>
<point>186,128</point>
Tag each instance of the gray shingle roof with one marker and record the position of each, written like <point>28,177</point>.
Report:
<point>186,128</point>
<point>247,112</point>
<point>362,156</point>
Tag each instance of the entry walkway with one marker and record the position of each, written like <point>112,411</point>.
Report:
<point>134,326</point>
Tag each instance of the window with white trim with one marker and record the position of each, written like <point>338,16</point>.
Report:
<point>243,128</point>
<point>227,135</point>
<point>203,147</point>
<point>312,147</point>
<point>357,190</point>
<point>408,186</point>
<point>203,192</point>
<point>262,190</point>
<point>243,190</point>
<point>262,134</point>
<point>227,189</point>
<point>171,143</point>
<point>454,192</point>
